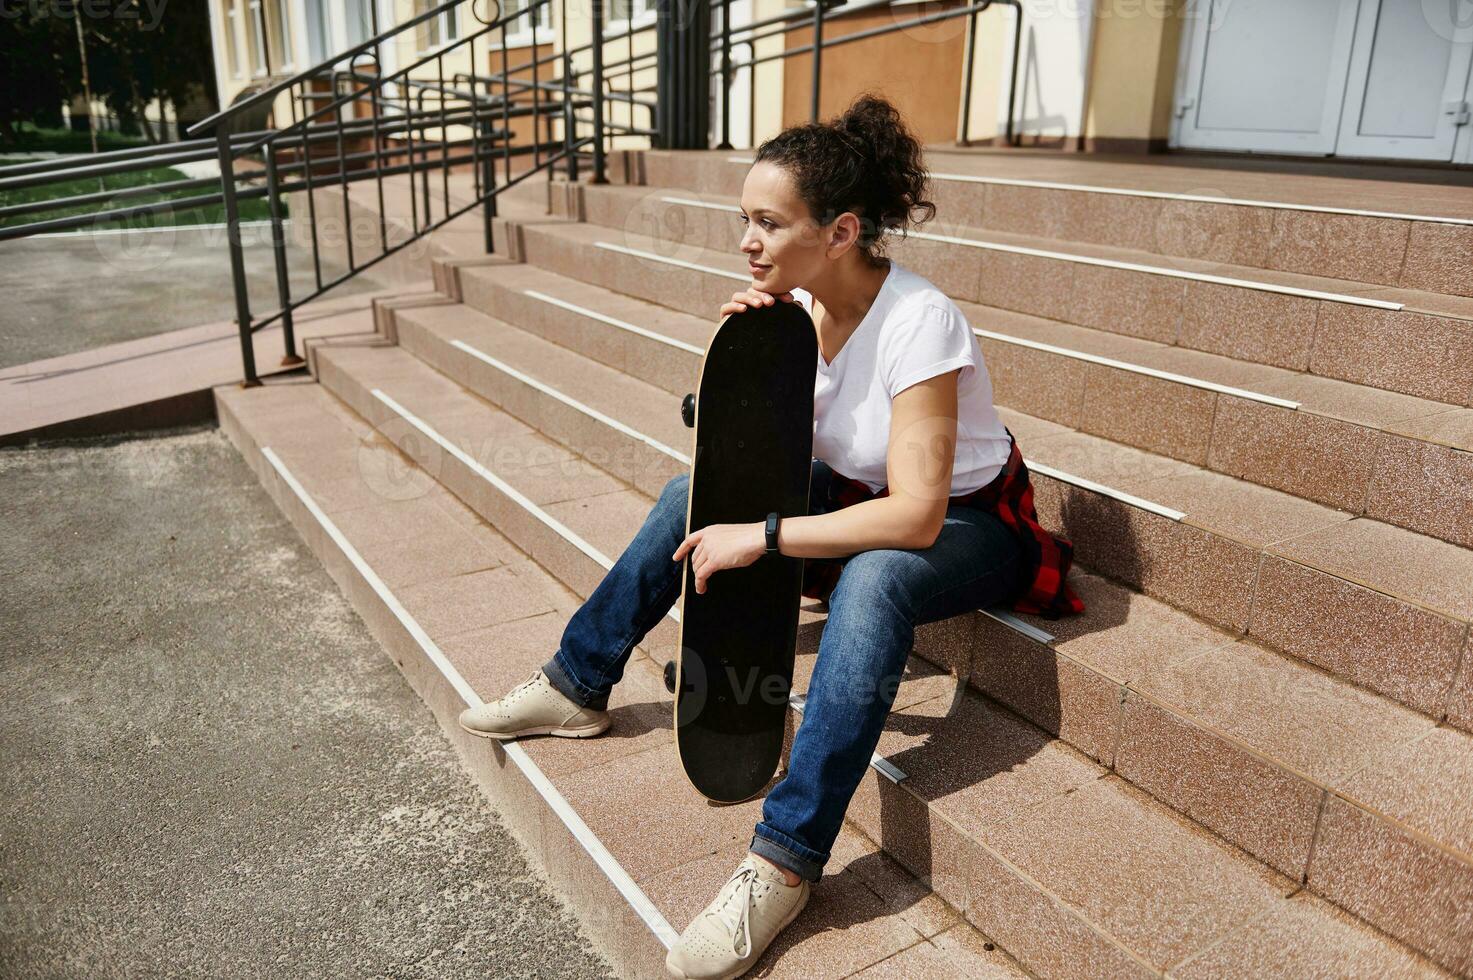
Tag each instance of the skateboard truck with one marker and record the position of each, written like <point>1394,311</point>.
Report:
<point>688,410</point>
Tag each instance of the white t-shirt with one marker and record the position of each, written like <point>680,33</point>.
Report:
<point>913,331</point>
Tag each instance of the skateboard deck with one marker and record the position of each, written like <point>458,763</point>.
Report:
<point>753,419</point>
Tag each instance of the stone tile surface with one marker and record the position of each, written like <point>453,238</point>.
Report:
<point>1248,324</point>
<point>1291,713</point>
<point>1426,783</point>
<point>1418,893</point>
<point>1366,637</point>
<point>1423,570</point>
<point>1252,802</point>
<point>1305,936</point>
<point>1158,883</point>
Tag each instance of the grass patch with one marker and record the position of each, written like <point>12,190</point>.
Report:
<point>250,210</point>
<point>35,140</point>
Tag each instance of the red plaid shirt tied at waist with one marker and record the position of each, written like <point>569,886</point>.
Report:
<point>1010,497</point>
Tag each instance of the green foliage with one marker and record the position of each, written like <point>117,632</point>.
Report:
<point>250,210</point>
<point>137,50</point>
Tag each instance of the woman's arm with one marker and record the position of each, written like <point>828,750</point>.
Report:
<point>918,469</point>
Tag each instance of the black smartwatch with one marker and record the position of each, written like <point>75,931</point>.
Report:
<point>773,520</point>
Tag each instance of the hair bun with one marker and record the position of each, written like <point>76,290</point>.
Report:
<point>864,160</point>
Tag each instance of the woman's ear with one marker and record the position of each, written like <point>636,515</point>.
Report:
<point>843,234</point>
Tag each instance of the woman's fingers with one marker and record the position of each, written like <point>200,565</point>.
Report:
<point>752,297</point>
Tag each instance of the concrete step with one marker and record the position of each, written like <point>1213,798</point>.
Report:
<point>1119,684</point>
<point>1395,458</point>
<point>1294,321</point>
<point>1289,572</point>
<point>1382,232</point>
<point>420,567</point>
<point>995,770</point>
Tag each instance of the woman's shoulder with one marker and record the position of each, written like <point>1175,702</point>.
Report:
<point>914,293</point>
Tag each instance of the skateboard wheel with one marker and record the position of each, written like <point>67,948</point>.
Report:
<point>688,410</point>
<point>670,676</point>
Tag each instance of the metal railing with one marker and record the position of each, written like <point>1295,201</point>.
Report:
<point>421,121</point>
<point>349,122</point>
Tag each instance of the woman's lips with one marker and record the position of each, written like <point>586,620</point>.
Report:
<point>758,268</point>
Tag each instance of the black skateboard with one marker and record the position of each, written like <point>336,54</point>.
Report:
<point>753,416</point>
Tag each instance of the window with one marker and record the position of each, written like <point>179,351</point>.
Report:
<point>437,30</point>
<point>624,13</point>
<point>234,56</point>
<point>520,30</point>
<point>258,37</point>
<point>281,33</point>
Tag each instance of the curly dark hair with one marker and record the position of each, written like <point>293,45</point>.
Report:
<point>865,161</point>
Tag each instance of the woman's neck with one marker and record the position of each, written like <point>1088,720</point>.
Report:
<point>848,290</point>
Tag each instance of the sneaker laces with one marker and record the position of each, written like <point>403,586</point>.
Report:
<point>746,880</point>
<point>512,694</point>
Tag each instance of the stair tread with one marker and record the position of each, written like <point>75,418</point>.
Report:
<point>633,769</point>
<point>1300,717</point>
<point>1418,418</point>
<point>1141,846</point>
<point>1316,723</point>
<point>1438,304</point>
<point>1229,179</point>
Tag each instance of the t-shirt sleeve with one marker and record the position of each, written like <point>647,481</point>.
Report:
<point>929,341</point>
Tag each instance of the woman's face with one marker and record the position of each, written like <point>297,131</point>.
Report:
<point>784,246</point>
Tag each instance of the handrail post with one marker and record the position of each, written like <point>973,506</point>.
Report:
<point>1017,54</point>
<point>570,129</point>
<point>599,176</point>
<point>971,55</point>
<point>725,143</point>
<point>278,249</point>
<point>488,182</point>
<point>237,257</point>
<point>817,58</point>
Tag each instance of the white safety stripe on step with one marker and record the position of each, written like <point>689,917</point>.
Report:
<point>655,257</point>
<point>1152,270</point>
<point>1078,355</point>
<point>611,321</point>
<point>1120,495</point>
<point>570,402</point>
<point>1199,198</point>
<point>1005,618</point>
<point>1017,625</point>
<point>889,770</point>
<point>555,800</point>
<point>1138,369</point>
<point>1174,196</point>
<point>519,498</point>
<point>881,764</point>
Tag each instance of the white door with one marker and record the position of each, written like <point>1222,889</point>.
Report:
<point>1265,74</point>
<point>1408,79</point>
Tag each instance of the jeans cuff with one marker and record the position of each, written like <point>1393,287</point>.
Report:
<point>565,682</point>
<point>782,849</point>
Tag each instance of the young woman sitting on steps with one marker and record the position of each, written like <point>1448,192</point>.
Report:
<point>920,510</point>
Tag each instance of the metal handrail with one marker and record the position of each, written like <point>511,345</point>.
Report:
<point>416,103</point>
<point>212,122</point>
<point>414,122</point>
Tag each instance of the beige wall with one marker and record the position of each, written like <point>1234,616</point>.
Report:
<point>1134,74</point>
<point>918,68</point>
<point>1135,44</point>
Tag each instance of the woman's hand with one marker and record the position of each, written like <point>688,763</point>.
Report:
<point>752,297</point>
<point>718,546</point>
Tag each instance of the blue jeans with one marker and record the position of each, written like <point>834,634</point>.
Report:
<point>881,596</point>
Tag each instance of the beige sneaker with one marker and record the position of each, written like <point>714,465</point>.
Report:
<point>754,905</point>
<point>534,707</point>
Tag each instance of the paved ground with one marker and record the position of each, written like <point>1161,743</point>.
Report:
<point>208,767</point>
<point>76,292</point>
